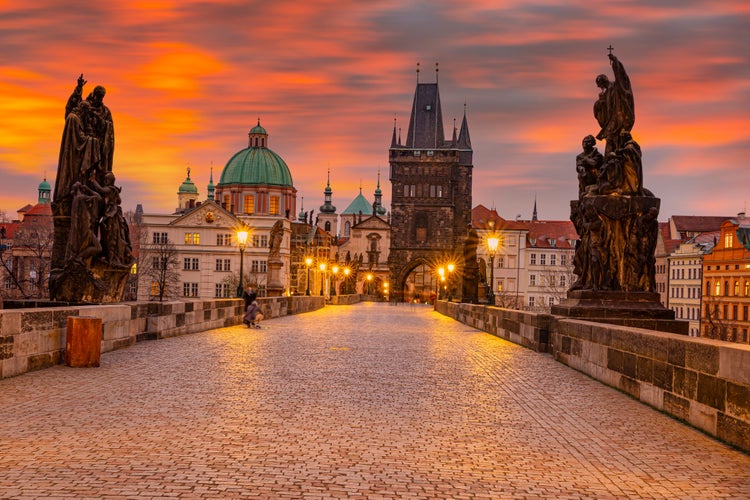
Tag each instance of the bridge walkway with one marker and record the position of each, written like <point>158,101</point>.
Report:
<point>370,400</point>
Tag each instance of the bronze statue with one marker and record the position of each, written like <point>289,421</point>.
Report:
<point>615,216</point>
<point>274,243</point>
<point>92,252</point>
<point>588,164</point>
<point>615,107</point>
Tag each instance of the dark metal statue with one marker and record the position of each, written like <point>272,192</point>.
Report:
<point>615,216</point>
<point>92,253</point>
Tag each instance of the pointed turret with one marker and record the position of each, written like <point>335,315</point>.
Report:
<point>464,141</point>
<point>379,209</point>
<point>211,188</point>
<point>394,143</point>
<point>534,218</point>
<point>426,121</point>
<point>327,207</point>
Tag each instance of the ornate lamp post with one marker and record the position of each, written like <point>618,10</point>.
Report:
<point>308,263</point>
<point>334,277</point>
<point>322,277</point>
<point>241,241</point>
<point>385,290</point>
<point>369,279</point>
<point>451,268</point>
<point>441,274</point>
<point>492,243</point>
<point>346,279</point>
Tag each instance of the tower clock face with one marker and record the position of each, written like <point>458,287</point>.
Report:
<point>209,216</point>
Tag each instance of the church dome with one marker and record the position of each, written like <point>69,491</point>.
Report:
<point>187,186</point>
<point>44,186</point>
<point>256,165</point>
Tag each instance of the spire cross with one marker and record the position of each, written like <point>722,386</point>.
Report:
<point>610,49</point>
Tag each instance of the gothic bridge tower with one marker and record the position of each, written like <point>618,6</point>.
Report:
<point>431,195</point>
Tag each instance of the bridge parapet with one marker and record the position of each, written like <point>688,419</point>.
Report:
<point>703,382</point>
<point>34,338</point>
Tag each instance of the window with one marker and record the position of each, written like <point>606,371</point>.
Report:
<point>726,288</point>
<point>159,263</point>
<point>708,288</point>
<point>190,289</point>
<point>347,228</point>
<point>543,259</point>
<point>728,240</point>
<point>744,313</point>
<point>225,204</point>
<point>222,290</point>
<point>258,266</point>
<point>274,205</point>
<point>192,238</point>
<point>552,281</point>
<point>501,261</point>
<point>532,259</point>
<point>223,265</point>
<point>154,288</point>
<point>223,240</point>
<point>747,288</point>
<point>260,240</point>
<point>563,281</point>
<point>563,260</point>
<point>190,264</point>
<point>553,260</point>
<point>249,207</point>
<point>531,301</point>
<point>734,312</point>
<point>159,238</point>
<point>532,280</point>
<point>717,288</point>
<point>736,287</point>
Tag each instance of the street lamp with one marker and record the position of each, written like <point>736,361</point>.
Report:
<point>369,279</point>
<point>346,279</point>
<point>441,272</point>
<point>241,241</point>
<point>385,290</point>
<point>322,277</point>
<point>492,242</point>
<point>308,263</point>
<point>334,277</point>
<point>451,268</point>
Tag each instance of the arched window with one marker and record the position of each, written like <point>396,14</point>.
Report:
<point>726,289</point>
<point>347,228</point>
<point>747,288</point>
<point>328,226</point>
<point>736,287</point>
<point>717,289</point>
<point>708,288</point>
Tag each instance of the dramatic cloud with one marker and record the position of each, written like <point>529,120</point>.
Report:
<point>187,79</point>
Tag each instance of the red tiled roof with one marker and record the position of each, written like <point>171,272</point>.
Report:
<point>698,223</point>
<point>40,209</point>
<point>10,229</point>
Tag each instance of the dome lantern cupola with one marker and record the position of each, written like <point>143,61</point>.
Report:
<point>258,137</point>
<point>45,191</point>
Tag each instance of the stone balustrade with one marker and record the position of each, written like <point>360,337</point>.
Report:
<point>703,382</point>
<point>34,338</point>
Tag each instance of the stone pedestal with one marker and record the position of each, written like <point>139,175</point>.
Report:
<point>636,309</point>
<point>99,285</point>
<point>275,287</point>
<point>83,341</point>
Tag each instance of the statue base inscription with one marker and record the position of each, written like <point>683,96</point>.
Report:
<point>636,309</point>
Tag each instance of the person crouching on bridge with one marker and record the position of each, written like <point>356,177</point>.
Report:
<point>252,315</point>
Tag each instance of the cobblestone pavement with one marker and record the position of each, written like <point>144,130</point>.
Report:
<point>371,401</point>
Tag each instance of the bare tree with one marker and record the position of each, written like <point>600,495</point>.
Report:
<point>27,262</point>
<point>159,264</point>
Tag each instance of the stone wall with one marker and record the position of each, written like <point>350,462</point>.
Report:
<point>520,327</point>
<point>338,300</point>
<point>703,382</point>
<point>31,339</point>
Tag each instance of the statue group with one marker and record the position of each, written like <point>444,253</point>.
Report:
<point>614,215</point>
<point>92,252</point>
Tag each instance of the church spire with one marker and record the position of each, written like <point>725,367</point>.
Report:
<point>378,206</point>
<point>393,140</point>
<point>464,141</point>
<point>533,216</point>
<point>327,207</point>
<point>211,187</point>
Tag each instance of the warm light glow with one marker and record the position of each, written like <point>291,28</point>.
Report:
<point>369,277</point>
<point>242,237</point>
<point>451,267</point>
<point>322,266</point>
<point>335,269</point>
<point>347,271</point>
<point>492,243</point>
<point>441,271</point>
<point>385,285</point>
<point>308,261</point>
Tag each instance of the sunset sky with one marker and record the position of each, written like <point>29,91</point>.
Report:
<point>186,80</point>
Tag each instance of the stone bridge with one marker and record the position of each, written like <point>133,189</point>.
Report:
<point>373,400</point>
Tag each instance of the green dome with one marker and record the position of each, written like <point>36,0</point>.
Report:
<point>187,187</point>
<point>258,129</point>
<point>360,204</point>
<point>44,186</point>
<point>252,166</point>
